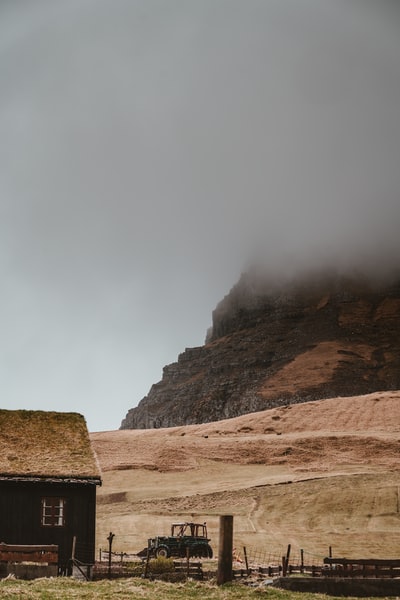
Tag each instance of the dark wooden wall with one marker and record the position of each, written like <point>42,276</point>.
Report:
<point>20,517</point>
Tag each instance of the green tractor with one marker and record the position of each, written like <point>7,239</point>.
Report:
<point>186,539</point>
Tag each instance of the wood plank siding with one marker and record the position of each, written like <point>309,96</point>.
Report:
<point>48,483</point>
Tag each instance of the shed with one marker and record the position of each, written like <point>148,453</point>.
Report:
<point>48,480</point>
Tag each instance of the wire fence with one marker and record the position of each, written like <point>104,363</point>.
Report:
<point>118,557</point>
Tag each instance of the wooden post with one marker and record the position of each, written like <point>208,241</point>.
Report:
<point>187,562</point>
<point>301,560</point>
<point>330,551</point>
<point>224,573</point>
<point>110,541</point>
<point>287,558</point>
<point>146,569</point>
<point>73,548</point>
<point>71,562</point>
<point>246,560</point>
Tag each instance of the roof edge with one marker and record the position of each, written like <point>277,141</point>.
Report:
<point>90,480</point>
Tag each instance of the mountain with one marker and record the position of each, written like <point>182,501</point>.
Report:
<point>279,342</point>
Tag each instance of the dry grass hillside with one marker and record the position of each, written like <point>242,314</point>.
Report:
<point>314,475</point>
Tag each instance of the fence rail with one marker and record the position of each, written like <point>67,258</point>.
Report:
<point>121,557</point>
<point>32,553</point>
<point>190,569</point>
<point>361,568</point>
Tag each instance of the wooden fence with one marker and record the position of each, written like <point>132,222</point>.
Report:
<point>273,571</point>
<point>38,554</point>
<point>261,566</point>
<point>361,567</point>
<point>28,562</point>
<point>194,570</point>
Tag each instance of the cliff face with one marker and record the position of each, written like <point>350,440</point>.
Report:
<point>278,344</point>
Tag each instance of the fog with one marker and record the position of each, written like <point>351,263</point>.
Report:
<point>151,150</point>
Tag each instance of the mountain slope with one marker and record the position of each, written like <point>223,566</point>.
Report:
<point>280,344</point>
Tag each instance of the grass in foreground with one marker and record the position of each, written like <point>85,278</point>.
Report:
<point>137,589</point>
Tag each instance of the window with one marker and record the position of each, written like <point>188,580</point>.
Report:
<point>53,512</point>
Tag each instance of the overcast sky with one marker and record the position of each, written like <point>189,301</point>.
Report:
<point>151,149</point>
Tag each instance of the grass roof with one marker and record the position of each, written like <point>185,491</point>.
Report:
<point>45,444</point>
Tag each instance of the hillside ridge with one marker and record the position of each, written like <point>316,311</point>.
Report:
<point>314,428</point>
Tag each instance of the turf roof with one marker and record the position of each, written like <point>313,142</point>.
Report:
<point>45,444</point>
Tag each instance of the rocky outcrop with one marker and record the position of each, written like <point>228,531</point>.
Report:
<point>275,344</point>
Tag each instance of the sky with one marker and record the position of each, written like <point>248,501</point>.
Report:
<point>151,150</point>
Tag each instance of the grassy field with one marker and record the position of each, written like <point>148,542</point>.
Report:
<point>137,589</point>
<point>317,475</point>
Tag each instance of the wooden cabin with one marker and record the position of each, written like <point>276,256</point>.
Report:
<point>48,481</point>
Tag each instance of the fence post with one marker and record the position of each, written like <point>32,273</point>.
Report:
<point>187,562</point>
<point>110,541</point>
<point>224,573</point>
<point>301,560</point>
<point>283,566</point>
<point>146,568</point>
<point>73,548</point>
<point>287,557</point>
<point>246,560</point>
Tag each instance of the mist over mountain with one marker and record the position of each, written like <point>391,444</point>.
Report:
<point>279,340</point>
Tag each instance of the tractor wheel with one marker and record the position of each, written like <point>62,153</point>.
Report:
<point>162,551</point>
<point>209,551</point>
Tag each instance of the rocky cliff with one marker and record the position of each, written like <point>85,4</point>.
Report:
<point>281,343</point>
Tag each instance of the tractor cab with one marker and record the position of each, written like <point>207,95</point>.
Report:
<point>198,530</point>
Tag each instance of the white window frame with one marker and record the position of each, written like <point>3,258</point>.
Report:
<point>53,511</point>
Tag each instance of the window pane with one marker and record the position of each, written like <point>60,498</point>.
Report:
<point>53,512</point>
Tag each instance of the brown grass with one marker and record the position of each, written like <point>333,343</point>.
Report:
<point>313,475</point>
<point>313,368</point>
<point>45,444</point>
